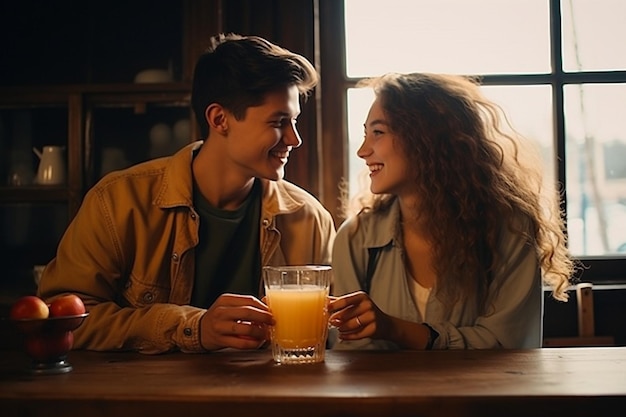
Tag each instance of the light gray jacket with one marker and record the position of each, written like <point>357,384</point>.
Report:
<point>516,292</point>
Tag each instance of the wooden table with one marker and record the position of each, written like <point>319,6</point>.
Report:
<point>550,382</point>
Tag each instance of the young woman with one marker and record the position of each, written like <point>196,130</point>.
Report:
<point>451,247</point>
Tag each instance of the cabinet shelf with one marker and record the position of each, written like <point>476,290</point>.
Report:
<point>56,92</point>
<point>34,194</point>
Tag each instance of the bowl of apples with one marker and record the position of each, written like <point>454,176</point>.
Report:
<point>47,330</point>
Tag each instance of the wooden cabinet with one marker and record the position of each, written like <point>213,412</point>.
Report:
<point>71,78</point>
<point>33,216</point>
<point>157,121</point>
<point>68,79</point>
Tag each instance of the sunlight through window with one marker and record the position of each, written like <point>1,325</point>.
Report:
<point>511,40</point>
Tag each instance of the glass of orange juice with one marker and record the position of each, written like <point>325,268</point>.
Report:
<point>298,299</point>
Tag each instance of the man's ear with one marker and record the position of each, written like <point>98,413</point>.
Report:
<point>216,118</point>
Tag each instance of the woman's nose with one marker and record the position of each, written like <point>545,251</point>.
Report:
<point>364,150</point>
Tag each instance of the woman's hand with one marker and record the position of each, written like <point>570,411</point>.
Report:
<point>356,316</point>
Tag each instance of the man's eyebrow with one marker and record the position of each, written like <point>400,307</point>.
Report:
<point>281,113</point>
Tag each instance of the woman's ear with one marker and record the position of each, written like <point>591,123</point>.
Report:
<point>216,118</point>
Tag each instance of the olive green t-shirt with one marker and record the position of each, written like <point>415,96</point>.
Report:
<point>228,256</point>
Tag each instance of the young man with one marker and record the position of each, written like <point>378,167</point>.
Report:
<point>167,254</point>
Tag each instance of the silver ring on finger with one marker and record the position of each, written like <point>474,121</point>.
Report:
<point>358,321</point>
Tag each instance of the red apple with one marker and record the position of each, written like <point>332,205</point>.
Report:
<point>48,346</point>
<point>29,307</point>
<point>67,305</point>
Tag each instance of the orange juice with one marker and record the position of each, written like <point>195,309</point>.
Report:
<point>297,295</point>
<point>301,315</point>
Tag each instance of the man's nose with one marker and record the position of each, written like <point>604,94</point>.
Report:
<point>292,136</point>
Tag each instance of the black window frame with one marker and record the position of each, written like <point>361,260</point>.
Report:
<point>335,83</point>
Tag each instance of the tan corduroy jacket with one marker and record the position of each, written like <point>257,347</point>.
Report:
<point>129,253</point>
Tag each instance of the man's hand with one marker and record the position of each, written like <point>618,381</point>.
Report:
<point>235,321</point>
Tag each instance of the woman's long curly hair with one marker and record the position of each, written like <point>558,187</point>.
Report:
<point>474,180</point>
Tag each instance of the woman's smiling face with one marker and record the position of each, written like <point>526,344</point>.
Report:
<point>381,152</point>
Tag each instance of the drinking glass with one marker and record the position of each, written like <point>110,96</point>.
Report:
<point>298,299</point>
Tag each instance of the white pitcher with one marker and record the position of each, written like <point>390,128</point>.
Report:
<point>51,165</point>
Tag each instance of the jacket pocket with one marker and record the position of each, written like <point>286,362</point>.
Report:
<point>139,293</point>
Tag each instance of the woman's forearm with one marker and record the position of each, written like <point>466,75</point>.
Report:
<point>408,335</point>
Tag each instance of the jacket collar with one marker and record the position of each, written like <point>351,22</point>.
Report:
<point>382,227</point>
<point>177,186</point>
<point>277,198</point>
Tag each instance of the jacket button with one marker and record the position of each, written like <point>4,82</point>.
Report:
<point>148,297</point>
<point>193,216</point>
<point>266,222</point>
<point>187,331</point>
<point>175,257</point>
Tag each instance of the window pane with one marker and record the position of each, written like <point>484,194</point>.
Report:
<point>596,168</point>
<point>359,101</point>
<point>454,36</point>
<point>528,108</point>
<point>593,34</point>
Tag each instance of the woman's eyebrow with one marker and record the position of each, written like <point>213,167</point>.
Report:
<point>375,122</point>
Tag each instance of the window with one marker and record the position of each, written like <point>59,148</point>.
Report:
<point>557,67</point>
